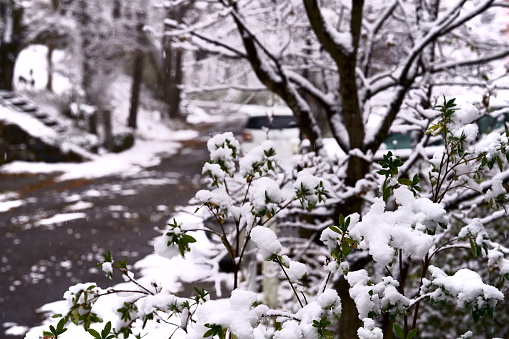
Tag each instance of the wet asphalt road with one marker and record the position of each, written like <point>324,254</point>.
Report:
<point>39,261</point>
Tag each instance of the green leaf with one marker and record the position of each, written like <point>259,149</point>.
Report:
<point>405,181</point>
<point>106,330</point>
<point>327,334</point>
<point>476,314</point>
<point>473,247</point>
<point>411,334</point>
<point>60,326</point>
<point>94,333</point>
<point>399,331</point>
<point>335,229</point>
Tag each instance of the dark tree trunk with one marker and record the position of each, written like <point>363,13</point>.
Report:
<point>49,59</point>
<point>11,41</point>
<point>86,42</point>
<point>8,52</point>
<point>138,63</point>
<point>174,88</point>
<point>135,90</point>
<point>117,9</point>
<point>172,66</point>
<point>108,131</point>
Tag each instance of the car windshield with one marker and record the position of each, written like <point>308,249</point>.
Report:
<point>398,141</point>
<point>278,122</point>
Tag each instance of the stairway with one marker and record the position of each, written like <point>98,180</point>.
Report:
<point>19,142</point>
<point>19,103</point>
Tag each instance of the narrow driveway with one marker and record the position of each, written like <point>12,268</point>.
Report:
<point>42,253</point>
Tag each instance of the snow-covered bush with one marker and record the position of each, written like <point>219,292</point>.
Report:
<point>403,233</point>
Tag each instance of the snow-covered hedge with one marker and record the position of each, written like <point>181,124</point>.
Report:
<point>408,222</point>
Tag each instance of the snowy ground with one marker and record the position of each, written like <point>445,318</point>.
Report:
<point>156,139</point>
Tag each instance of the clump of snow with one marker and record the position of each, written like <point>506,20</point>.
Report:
<point>369,330</point>
<point>223,149</point>
<point>256,157</point>
<point>107,267</point>
<point>496,190</point>
<point>14,329</point>
<point>490,145</point>
<point>215,171</point>
<point>296,271</point>
<point>290,330</point>
<point>466,335</point>
<point>265,195</point>
<point>7,205</point>
<point>383,232</point>
<point>217,198</point>
<point>476,231</point>
<point>266,241</point>
<point>331,238</point>
<point>81,294</point>
<point>465,287</point>
<point>329,299</point>
<point>465,115</point>
<point>61,218</point>
<point>238,314</point>
<point>309,187</point>
<point>373,298</point>
<point>496,260</point>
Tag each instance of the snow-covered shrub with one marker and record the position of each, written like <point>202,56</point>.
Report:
<point>404,234</point>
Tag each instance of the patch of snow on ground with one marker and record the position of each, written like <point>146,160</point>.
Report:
<point>61,218</point>
<point>152,268</point>
<point>143,154</point>
<point>7,205</point>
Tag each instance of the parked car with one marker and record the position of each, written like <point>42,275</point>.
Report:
<point>281,128</point>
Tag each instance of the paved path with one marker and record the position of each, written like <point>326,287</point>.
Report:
<point>38,262</point>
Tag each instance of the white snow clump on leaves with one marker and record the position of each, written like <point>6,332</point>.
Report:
<point>490,144</point>
<point>266,241</point>
<point>369,330</point>
<point>296,271</point>
<point>465,287</point>
<point>162,249</point>
<point>256,157</point>
<point>215,171</point>
<point>382,232</point>
<point>217,198</point>
<point>70,295</point>
<point>476,231</point>
<point>265,195</point>
<point>467,114</point>
<point>107,267</point>
<point>237,314</point>
<point>496,189</point>
<point>308,185</point>
<point>496,260</point>
<point>371,299</point>
<point>331,238</point>
<point>224,150</point>
<point>329,299</point>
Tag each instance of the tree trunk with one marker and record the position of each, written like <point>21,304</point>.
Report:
<point>175,86</point>
<point>137,69</point>
<point>49,59</point>
<point>108,131</point>
<point>11,41</point>
<point>172,65</point>
<point>117,9</point>
<point>86,41</point>
<point>135,90</point>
